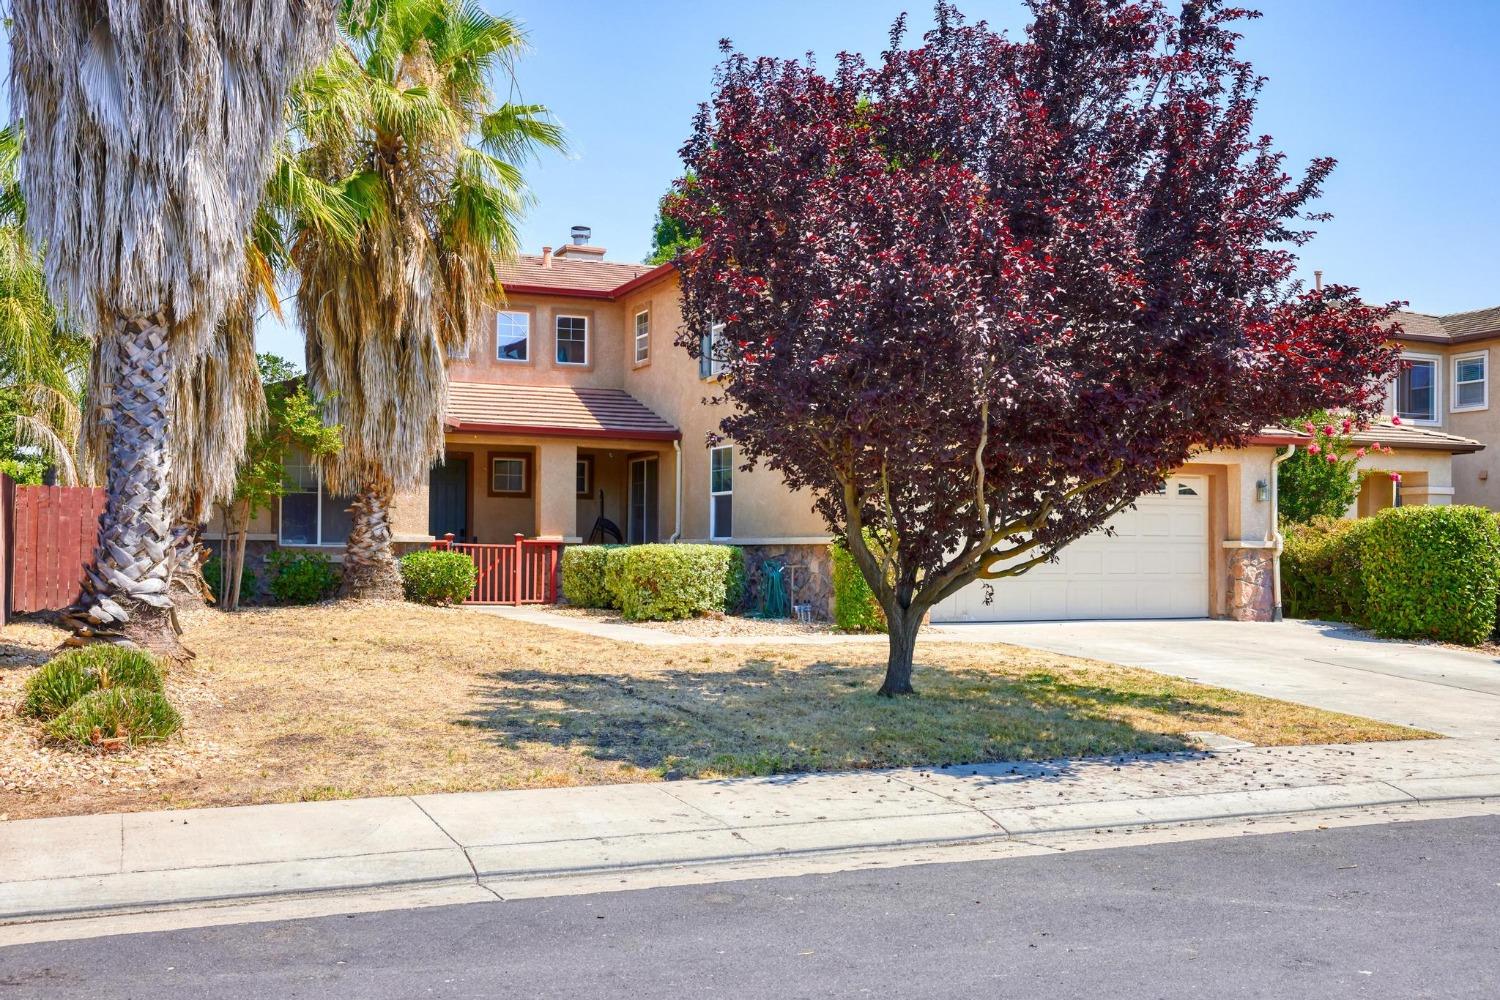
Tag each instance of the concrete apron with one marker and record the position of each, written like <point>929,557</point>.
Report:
<point>69,867</point>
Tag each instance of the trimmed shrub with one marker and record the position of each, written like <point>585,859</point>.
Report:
<point>736,580</point>
<point>1432,573</point>
<point>1321,572</point>
<point>432,577</point>
<point>584,582</point>
<point>133,715</point>
<point>855,608</point>
<point>211,572</point>
<point>300,577</point>
<point>668,582</point>
<point>75,673</point>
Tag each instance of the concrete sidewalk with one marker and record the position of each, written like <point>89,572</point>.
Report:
<point>66,867</point>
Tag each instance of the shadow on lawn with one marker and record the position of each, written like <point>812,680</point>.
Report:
<point>764,718</point>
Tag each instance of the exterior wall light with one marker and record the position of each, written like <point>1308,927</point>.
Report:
<point>1262,491</point>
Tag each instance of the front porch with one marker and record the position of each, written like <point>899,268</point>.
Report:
<point>554,463</point>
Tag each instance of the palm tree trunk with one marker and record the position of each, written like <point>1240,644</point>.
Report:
<point>370,569</point>
<point>189,590</point>
<point>127,595</point>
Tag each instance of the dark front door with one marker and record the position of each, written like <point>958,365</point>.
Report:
<point>643,501</point>
<point>448,499</point>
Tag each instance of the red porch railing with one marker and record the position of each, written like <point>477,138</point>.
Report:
<point>522,573</point>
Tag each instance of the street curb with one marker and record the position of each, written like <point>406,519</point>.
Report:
<point>38,901</point>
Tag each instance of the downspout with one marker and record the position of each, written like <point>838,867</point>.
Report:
<point>1275,535</point>
<point>677,514</point>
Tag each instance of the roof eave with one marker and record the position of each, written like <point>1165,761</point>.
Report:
<point>458,426</point>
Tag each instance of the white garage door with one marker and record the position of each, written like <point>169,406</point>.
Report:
<point>1155,565</point>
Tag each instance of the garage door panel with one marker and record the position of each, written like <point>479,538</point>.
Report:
<point>1154,565</point>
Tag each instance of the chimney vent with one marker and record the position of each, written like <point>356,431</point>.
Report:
<point>1318,280</point>
<point>546,256</point>
<point>582,235</point>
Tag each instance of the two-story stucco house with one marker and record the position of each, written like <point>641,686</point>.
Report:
<point>578,416</point>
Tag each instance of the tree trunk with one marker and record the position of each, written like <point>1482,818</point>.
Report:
<point>241,536</point>
<point>370,570</point>
<point>126,592</point>
<point>189,590</point>
<point>902,627</point>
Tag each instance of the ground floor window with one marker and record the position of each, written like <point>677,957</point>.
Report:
<point>309,515</point>
<point>721,493</point>
<point>509,475</point>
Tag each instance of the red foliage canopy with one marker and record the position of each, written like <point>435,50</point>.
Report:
<point>981,294</point>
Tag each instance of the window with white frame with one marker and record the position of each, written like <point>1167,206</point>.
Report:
<point>572,340</point>
<point>711,351</point>
<point>513,336</point>
<point>1417,389</point>
<point>1471,378</point>
<point>721,492</point>
<point>309,516</point>
<point>642,337</point>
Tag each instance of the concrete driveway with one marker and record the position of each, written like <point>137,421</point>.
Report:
<point>1330,666</point>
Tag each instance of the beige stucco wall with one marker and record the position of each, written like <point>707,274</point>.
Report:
<point>606,346</point>
<point>765,511</point>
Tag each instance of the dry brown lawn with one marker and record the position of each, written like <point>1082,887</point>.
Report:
<point>352,700</point>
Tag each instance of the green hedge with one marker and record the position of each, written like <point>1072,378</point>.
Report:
<point>583,575</point>
<point>1407,573</point>
<point>1432,573</point>
<point>1321,572</point>
<point>667,582</point>
<point>855,608</point>
<point>430,577</point>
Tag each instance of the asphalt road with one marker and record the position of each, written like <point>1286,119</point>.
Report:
<point>1390,912</point>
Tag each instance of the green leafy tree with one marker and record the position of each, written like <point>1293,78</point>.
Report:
<point>672,235</point>
<point>1322,478</point>
<point>294,421</point>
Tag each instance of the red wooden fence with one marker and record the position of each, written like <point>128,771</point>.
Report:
<point>53,530</point>
<point>522,573</point>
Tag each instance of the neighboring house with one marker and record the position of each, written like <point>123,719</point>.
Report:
<point>1445,389</point>
<point>578,406</point>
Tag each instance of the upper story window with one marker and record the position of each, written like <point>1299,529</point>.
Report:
<point>572,340</point>
<point>1471,382</point>
<point>721,492</point>
<point>711,347</point>
<point>309,515</point>
<point>1417,389</point>
<point>513,336</point>
<point>642,337</point>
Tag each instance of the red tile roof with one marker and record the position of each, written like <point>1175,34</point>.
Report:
<point>554,411</point>
<point>597,279</point>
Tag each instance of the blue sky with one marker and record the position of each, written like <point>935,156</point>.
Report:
<point>1405,94</point>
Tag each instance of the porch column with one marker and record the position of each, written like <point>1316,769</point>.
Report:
<point>556,485</point>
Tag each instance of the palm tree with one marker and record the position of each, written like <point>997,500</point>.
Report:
<point>405,110</point>
<point>150,127</point>
<point>221,399</point>
<point>42,363</point>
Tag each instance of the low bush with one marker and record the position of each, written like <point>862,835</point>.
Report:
<point>437,577</point>
<point>736,580</point>
<point>300,577</point>
<point>584,582</point>
<point>855,608</point>
<point>1432,573</point>
<point>668,582</point>
<point>127,714</point>
<point>75,673</point>
<point>214,568</point>
<point>1321,571</point>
